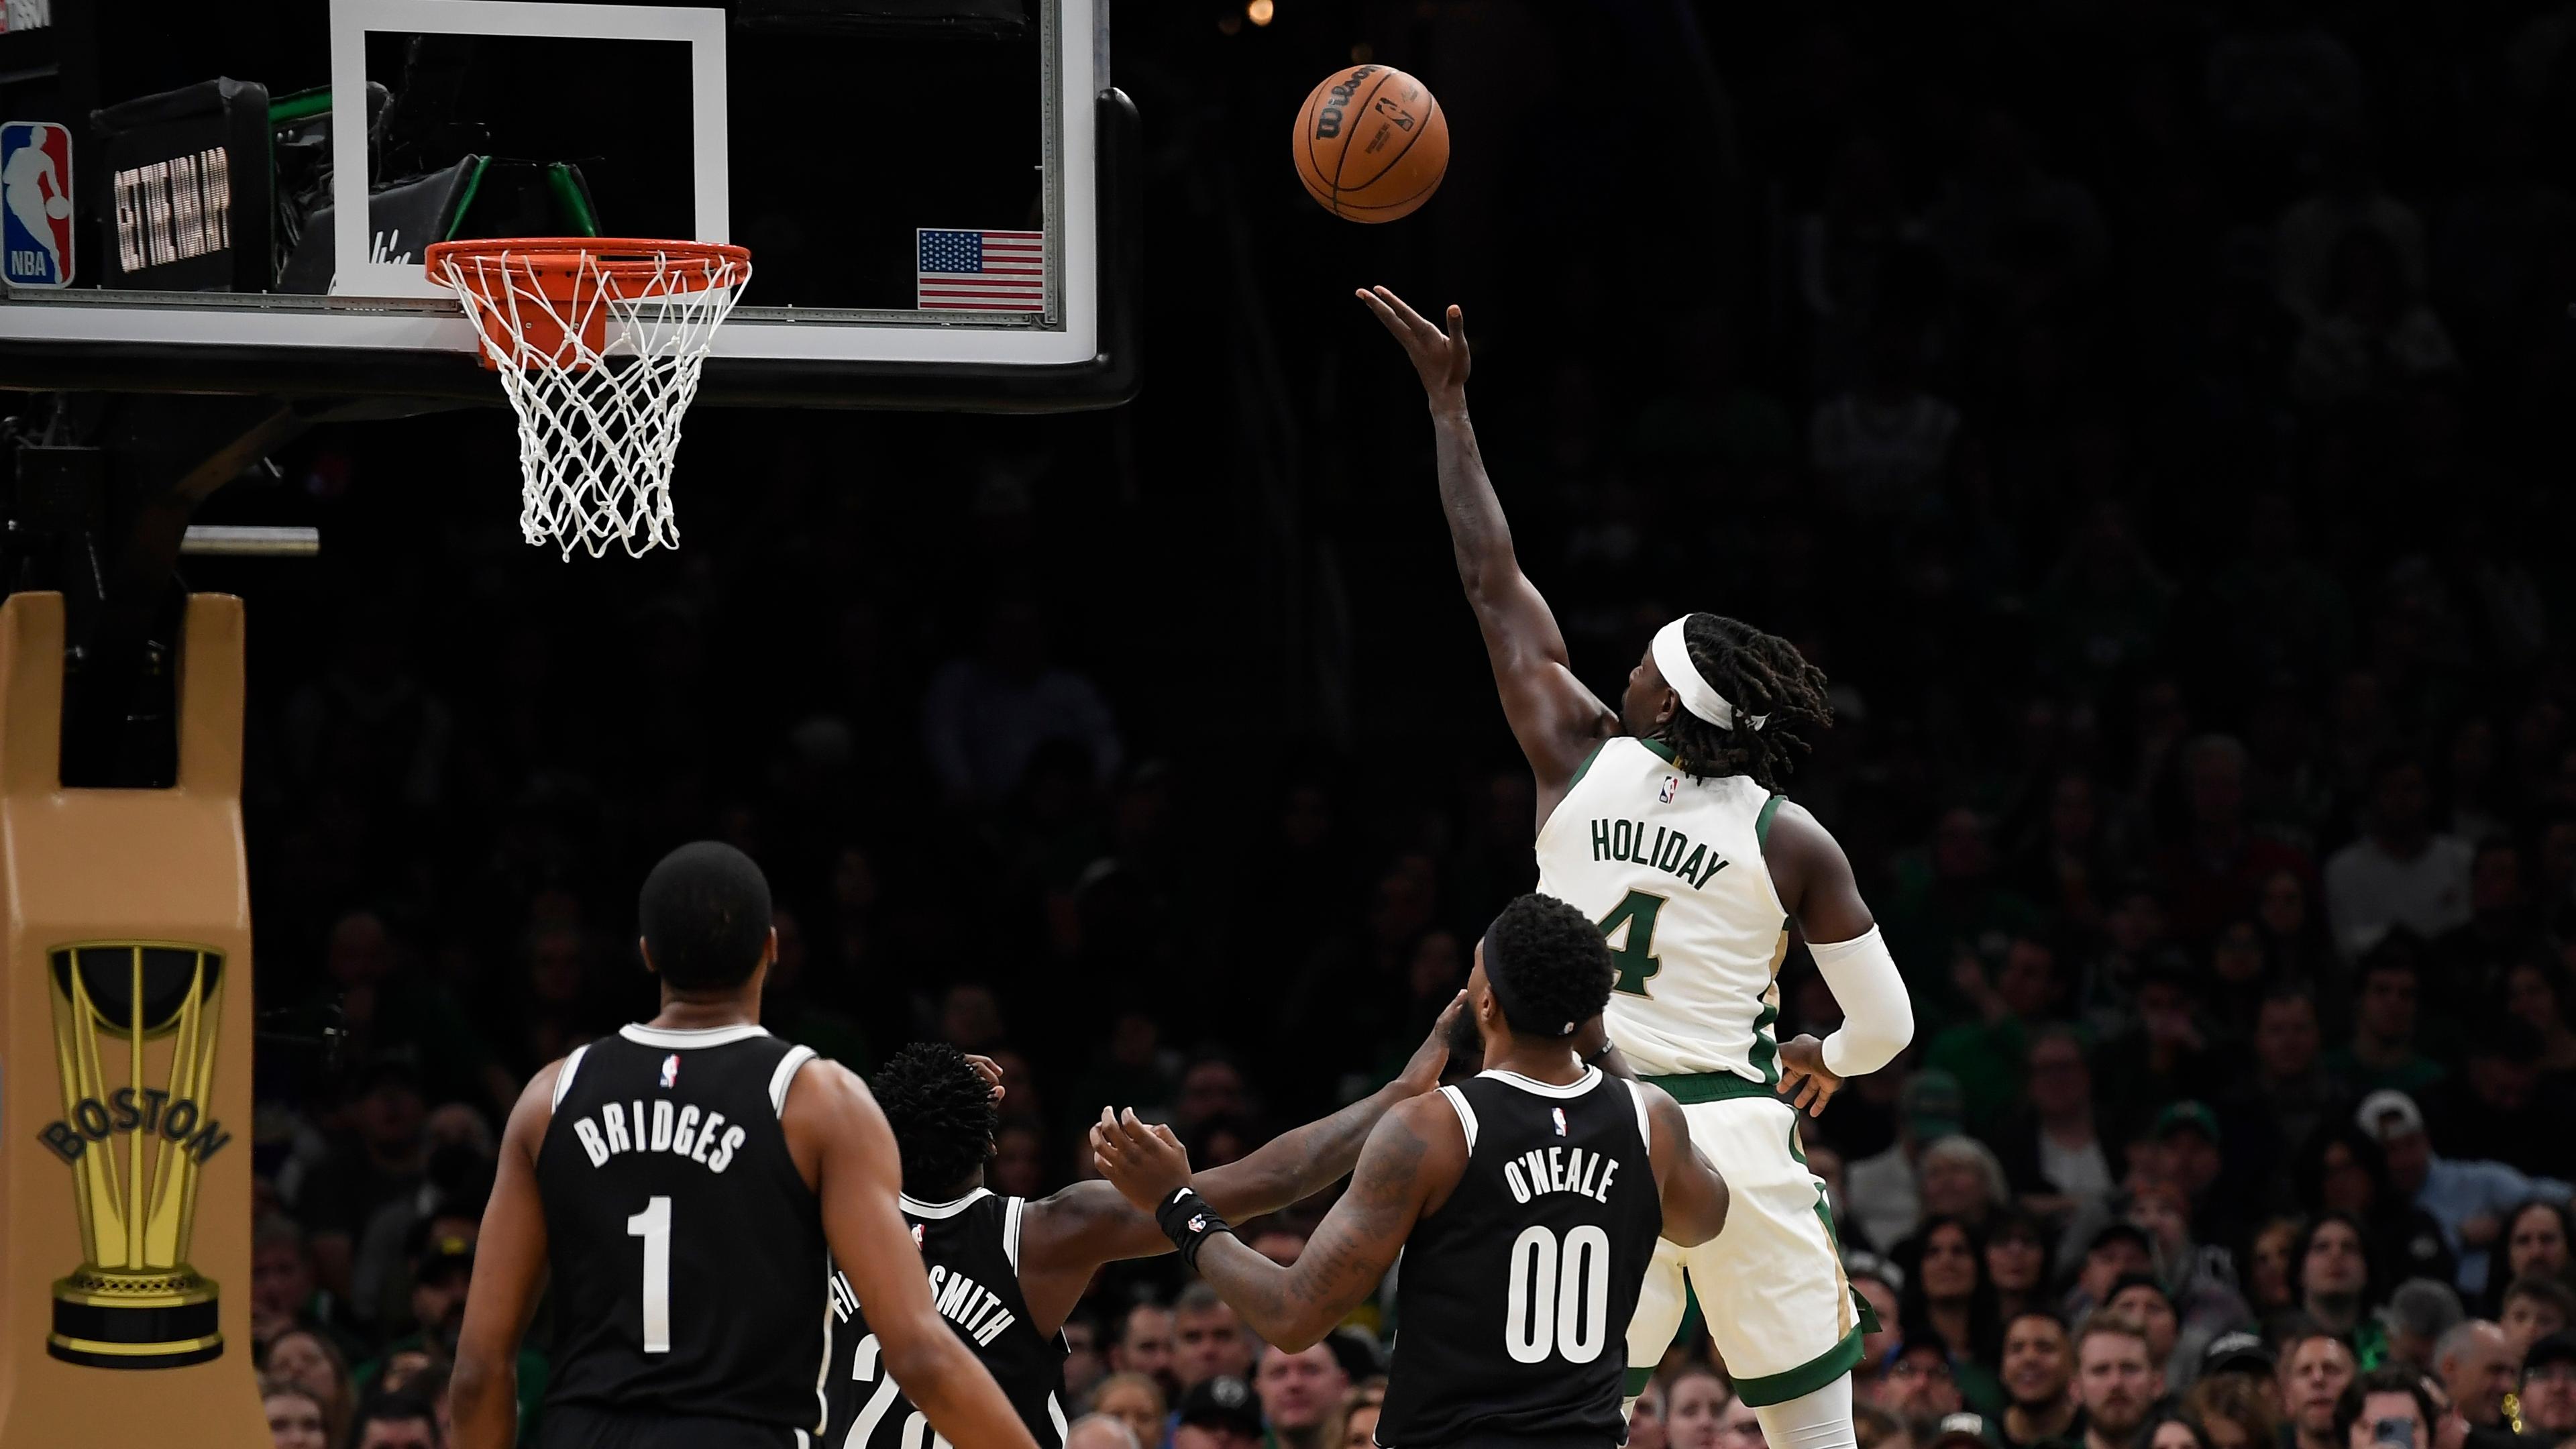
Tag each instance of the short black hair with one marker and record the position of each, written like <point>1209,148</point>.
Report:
<point>943,1116</point>
<point>2289,1332</point>
<point>2285,989</point>
<point>2399,951</point>
<point>2542,1288</point>
<point>2387,1380</point>
<point>705,913</point>
<point>1549,966</point>
<point>399,1407</point>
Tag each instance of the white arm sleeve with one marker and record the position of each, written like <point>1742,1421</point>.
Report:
<point>1878,1019</point>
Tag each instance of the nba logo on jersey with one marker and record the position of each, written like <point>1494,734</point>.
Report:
<point>1672,787</point>
<point>1559,1114</point>
<point>36,204</point>
<point>916,1235</point>
<point>670,1070</point>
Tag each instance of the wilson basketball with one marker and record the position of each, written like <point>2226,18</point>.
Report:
<point>1371,144</point>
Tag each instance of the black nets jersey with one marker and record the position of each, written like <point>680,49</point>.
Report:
<point>1513,1299</point>
<point>688,1254</point>
<point>971,1249</point>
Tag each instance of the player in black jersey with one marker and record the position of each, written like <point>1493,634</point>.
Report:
<point>1518,1198</point>
<point>684,1177</point>
<point>1006,1272</point>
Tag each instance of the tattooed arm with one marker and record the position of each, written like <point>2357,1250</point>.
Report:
<point>1406,1171</point>
<point>1065,1238</point>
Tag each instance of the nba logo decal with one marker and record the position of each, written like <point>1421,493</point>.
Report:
<point>916,1235</point>
<point>1672,787</point>
<point>670,1070</point>
<point>36,204</point>
<point>1559,1114</point>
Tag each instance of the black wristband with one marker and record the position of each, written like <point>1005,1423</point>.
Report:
<point>1189,1222</point>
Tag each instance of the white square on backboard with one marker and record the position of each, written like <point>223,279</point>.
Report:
<point>355,272</point>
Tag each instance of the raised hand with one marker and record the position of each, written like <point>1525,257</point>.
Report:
<point>1422,1073</point>
<point>1440,358</point>
<point>1144,1161</point>
<point>990,1070</point>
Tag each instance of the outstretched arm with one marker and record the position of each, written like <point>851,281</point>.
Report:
<point>1065,1238</point>
<point>1411,1163</point>
<point>1694,1196</point>
<point>509,1273</point>
<point>834,1127</point>
<point>1815,882</point>
<point>1555,718</point>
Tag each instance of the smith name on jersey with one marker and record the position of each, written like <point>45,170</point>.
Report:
<point>977,1311</point>
<point>1671,868</point>
<point>971,1250</point>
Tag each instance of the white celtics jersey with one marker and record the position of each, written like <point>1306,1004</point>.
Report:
<point>1671,867</point>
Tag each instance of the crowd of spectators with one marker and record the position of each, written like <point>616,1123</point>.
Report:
<point>2150,417</point>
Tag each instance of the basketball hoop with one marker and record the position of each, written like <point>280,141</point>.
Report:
<point>599,405</point>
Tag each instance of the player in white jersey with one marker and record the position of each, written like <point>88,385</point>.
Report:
<point>1665,823</point>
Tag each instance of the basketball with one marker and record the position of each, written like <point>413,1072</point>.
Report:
<point>1371,144</point>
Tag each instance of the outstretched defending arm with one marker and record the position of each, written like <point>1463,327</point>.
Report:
<point>1065,1238</point>
<point>1411,1163</point>
<point>834,1125</point>
<point>1815,881</point>
<point>1555,718</point>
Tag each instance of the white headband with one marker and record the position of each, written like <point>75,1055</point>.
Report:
<point>1672,656</point>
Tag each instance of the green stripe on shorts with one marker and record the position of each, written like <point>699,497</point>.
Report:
<point>1806,1378</point>
<point>1690,1087</point>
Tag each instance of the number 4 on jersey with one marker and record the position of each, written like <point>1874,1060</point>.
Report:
<point>1630,930</point>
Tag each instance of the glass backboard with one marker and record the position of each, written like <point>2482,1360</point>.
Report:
<point>934,191</point>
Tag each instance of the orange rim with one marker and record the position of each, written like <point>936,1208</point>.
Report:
<point>565,268</point>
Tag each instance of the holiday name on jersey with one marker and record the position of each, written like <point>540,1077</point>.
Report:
<point>679,1131</point>
<point>1672,852</point>
<point>974,1308</point>
<point>1560,1169</point>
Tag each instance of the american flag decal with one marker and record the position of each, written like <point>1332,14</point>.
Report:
<point>981,271</point>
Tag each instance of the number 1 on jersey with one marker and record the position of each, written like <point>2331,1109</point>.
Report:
<point>1630,930</point>
<point>653,1225</point>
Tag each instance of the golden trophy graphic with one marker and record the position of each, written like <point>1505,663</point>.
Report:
<point>135,1149</point>
<point>125,958</point>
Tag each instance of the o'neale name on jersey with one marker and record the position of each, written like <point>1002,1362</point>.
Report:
<point>1560,1169</point>
<point>627,1127</point>
<point>974,1308</point>
<point>1670,852</point>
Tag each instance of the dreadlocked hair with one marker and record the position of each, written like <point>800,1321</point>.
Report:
<point>1760,674</point>
<point>943,1116</point>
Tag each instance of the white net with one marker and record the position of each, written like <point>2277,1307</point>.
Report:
<point>600,354</point>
